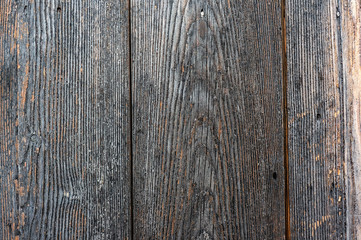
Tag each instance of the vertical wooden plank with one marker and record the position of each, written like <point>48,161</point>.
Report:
<point>316,120</point>
<point>208,133</point>
<point>351,56</point>
<point>8,123</point>
<point>66,128</point>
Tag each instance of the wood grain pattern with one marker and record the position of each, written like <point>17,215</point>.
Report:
<point>351,55</point>
<point>316,124</point>
<point>8,92</point>
<point>208,135</point>
<point>200,146</point>
<point>64,120</point>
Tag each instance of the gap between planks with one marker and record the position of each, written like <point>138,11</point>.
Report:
<point>285,120</point>
<point>130,123</point>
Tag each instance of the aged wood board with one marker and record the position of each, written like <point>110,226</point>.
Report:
<point>207,109</point>
<point>323,61</point>
<point>64,120</point>
<point>187,119</point>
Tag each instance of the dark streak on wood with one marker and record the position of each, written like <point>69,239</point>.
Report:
<point>285,122</point>
<point>207,105</point>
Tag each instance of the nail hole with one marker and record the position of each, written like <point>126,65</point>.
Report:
<point>274,175</point>
<point>25,7</point>
<point>318,116</point>
<point>58,9</point>
<point>202,13</point>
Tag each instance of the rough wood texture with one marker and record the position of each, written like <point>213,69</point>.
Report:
<point>351,55</point>
<point>8,92</point>
<point>316,120</point>
<point>207,126</point>
<point>208,135</point>
<point>64,120</point>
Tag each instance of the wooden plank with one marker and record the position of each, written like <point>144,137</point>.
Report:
<point>316,120</point>
<point>350,13</point>
<point>8,92</point>
<point>64,123</point>
<point>208,133</point>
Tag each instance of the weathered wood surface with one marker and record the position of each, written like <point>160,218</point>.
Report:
<point>203,135</point>
<point>208,133</point>
<point>320,200</point>
<point>351,58</point>
<point>64,120</point>
<point>8,89</point>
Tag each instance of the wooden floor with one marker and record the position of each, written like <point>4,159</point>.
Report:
<point>180,119</point>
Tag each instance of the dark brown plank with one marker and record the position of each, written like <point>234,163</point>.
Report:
<point>351,57</point>
<point>208,133</point>
<point>64,123</point>
<point>316,124</point>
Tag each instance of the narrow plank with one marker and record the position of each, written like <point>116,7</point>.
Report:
<point>8,124</point>
<point>68,162</point>
<point>207,107</point>
<point>351,56</point>
<point>316,120</point>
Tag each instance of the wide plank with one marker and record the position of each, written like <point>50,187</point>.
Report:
<point>65,169</point>
<point>207,107</point>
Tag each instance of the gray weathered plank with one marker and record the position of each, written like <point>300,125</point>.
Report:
<point>64,120</point>
<point>350,13</point>
<point>208,133</point>
<point>316,120</point>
